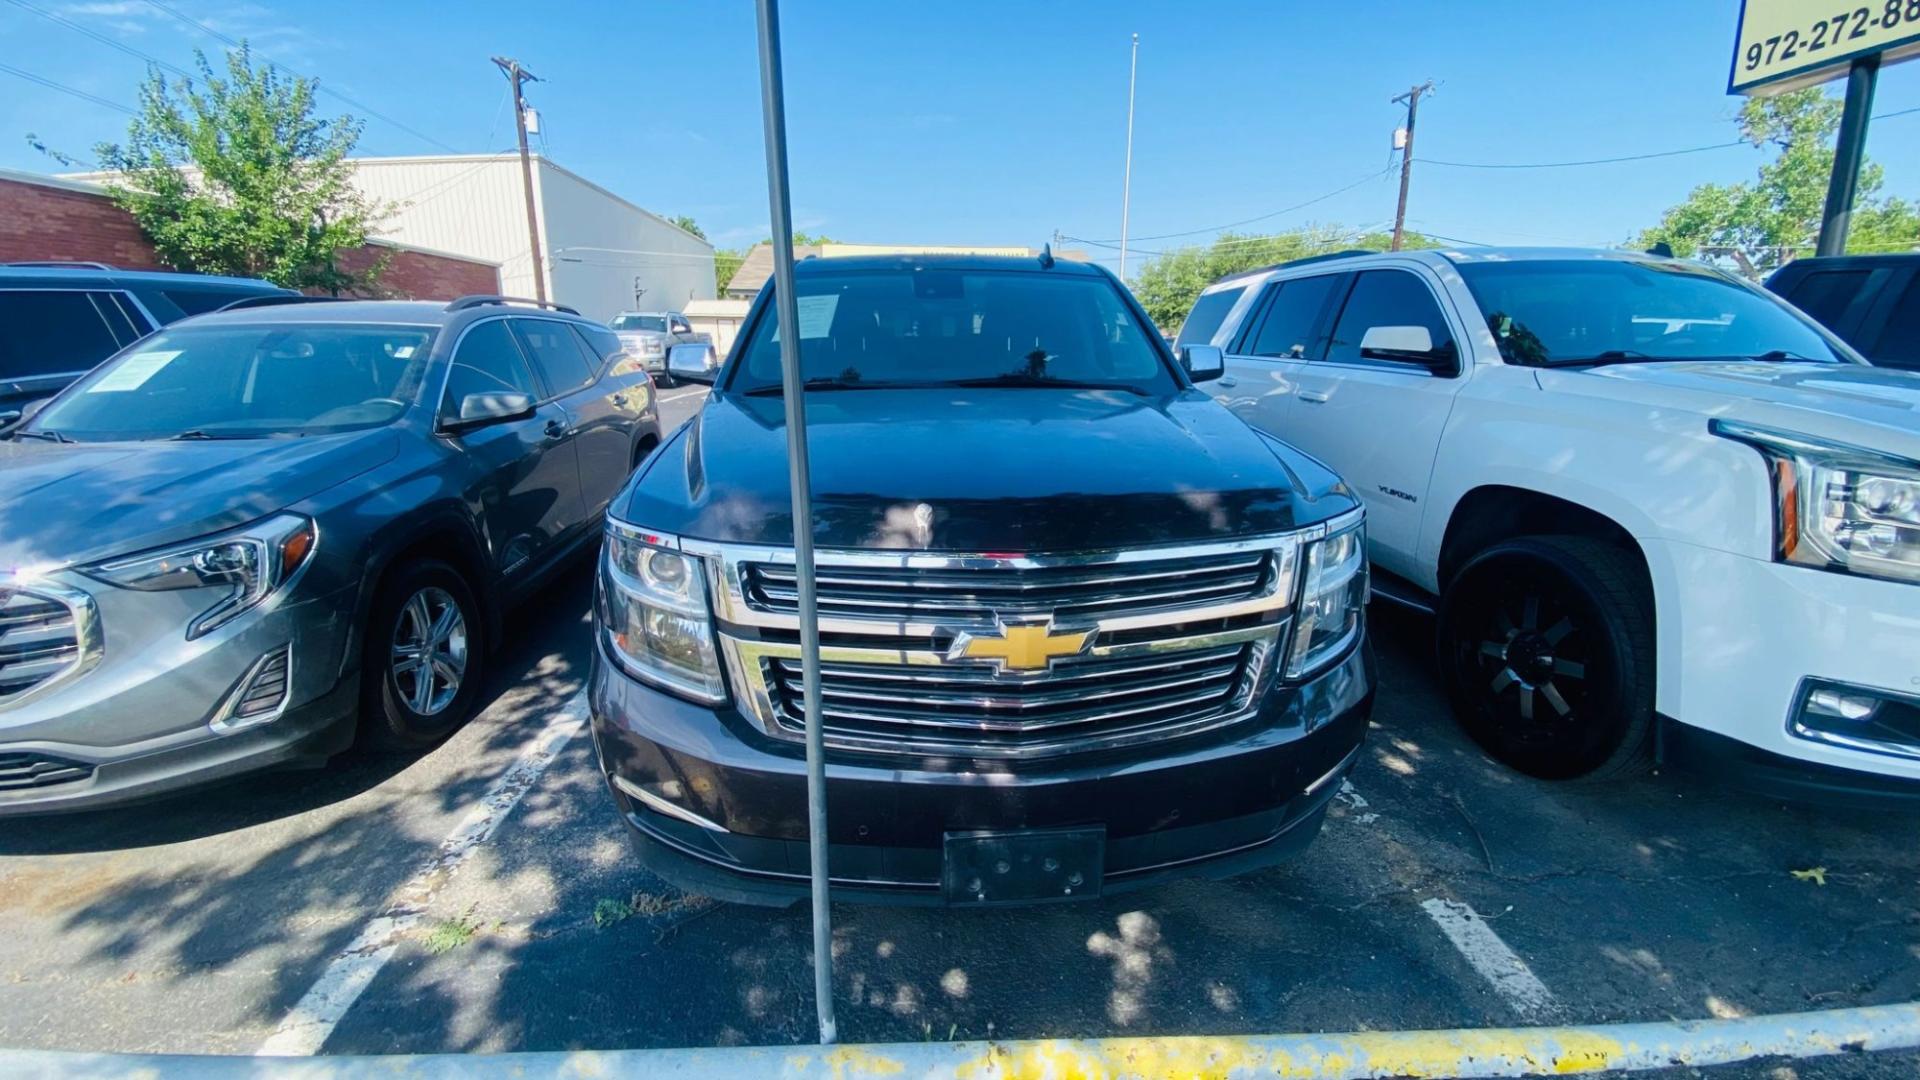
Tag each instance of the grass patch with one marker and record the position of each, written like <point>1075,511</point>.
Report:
<point>449,934</point>
<point>608,911</point>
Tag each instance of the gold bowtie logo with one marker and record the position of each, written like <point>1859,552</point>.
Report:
<point>1020,648</point>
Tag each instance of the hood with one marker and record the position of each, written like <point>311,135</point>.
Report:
<point>982,470</point>
<point>78,503</point>
<point>1871,406</point>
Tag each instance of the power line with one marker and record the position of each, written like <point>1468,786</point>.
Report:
<point>1624,157</point>
<point>1248,221</point>
<point>318,85</point>
<point>104,39</point>
<point>65,89</point>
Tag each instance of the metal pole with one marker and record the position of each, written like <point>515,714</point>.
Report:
<point>787,311</point>
<point>1412,98</point>
<point>1847,155</point>
<point>1126,185</point>
<point>518,75</point>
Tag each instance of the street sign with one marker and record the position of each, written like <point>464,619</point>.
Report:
<point>1784,45</point>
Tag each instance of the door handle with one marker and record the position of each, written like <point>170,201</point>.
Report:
<point>1314,397</point>
<point>557,429</point>
<point>619,401</point>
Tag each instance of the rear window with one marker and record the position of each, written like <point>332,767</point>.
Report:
<point>1899,344</point>
<point>1208,313</point>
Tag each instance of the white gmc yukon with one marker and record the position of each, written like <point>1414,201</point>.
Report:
<point>1659,513</point>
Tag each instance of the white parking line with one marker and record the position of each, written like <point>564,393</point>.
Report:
<point>305,1029</point>
<point>1496,963</point>
<point>664,398</point>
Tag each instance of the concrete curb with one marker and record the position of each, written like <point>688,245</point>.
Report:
<point>1470,1052</point>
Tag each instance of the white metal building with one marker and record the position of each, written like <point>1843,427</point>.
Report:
<point>603,254</point>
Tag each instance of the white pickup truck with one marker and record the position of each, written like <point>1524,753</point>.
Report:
<point>1659,513</point>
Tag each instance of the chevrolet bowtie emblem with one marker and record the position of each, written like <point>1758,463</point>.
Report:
<point>1020,648</point>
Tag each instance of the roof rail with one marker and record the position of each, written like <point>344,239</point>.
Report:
<point>59,264</point>
<point>275,300</point>
<point>483,300</point>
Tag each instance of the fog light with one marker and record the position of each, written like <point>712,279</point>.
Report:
<point>1859,718</point>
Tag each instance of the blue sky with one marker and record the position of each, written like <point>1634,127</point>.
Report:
<point>997,123</point>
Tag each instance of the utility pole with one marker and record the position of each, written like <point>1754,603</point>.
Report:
<point>518,76</point>
<point>1412,98</point>
<point>1126,185</point>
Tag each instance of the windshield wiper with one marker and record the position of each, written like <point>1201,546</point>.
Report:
<point>44,433</point>
<point>836,384</point>
<point>1045,381</point>
<point>1783,356</point>
<point>196,435</point>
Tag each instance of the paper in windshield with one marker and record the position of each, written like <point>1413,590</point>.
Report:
<point>133,372</point>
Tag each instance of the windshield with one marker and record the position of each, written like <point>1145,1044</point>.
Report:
<point>656,323</point>
<point>1549,312</point>
<point>246,381</point>
<point>919,328</point>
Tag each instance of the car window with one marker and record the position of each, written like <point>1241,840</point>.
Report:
<point>1208,313</point>
<point>680,326</point>
<point>1287,330</point>
<point>45,332</point>
<point>1387,298</point>
<point>914,327</point>
<point>1899,344</point>
<point>601,343</point>
<point>1826,294</point>
<point>248,380</point>
<point>487,362</point>
<point>655,323</point>
<point>1572,311</point>
<point>556,354</point>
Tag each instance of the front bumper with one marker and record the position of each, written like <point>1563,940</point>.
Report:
<point>1223,802</point>
<point>1741,641</point>
<point>145,718</point>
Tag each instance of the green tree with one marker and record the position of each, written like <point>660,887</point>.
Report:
<point>726,263</point>
<point>686,222</point>
<point>1168,284</point>
<point>234,174</point>
<point>1763,223</point>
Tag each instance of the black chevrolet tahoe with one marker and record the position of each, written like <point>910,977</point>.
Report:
<point>1081,628</point>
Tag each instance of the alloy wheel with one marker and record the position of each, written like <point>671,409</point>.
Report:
<point>429,652</point>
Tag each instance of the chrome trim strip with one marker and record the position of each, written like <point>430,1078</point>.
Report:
<point>662,806</point>
<point>223,722</point>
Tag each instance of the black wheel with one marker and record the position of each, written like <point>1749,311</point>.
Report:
<point>1546,649</point>
<point>664,381</point>
<point>424,658</point>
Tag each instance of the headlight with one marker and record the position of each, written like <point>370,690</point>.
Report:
<point>653,613</point>
<point>652,347</point>
<point>1333,597</point>
<point>248,564</point>
<point>1839,507</point>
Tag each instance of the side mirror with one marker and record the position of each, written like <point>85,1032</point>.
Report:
<point>1203,362</point>
<point>479,409</point>
<point>695,362</point>
<point>1407,344</point>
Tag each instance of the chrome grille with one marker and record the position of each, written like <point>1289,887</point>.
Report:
<point>974,710</point>
<point>40,639</point>
<point>1068,593</point>
<point>21,772</point>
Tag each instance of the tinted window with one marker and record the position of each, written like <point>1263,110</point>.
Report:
<point>656,323</point>
<point>556,353</point>
<point>51,333</point>
<point>247,381</point>
<point>1386,298</point>
<point>1208,313</point>
<point>891,328</point>
<point>488,362</point>
<point>1292,315</point>
<point>1546,311</point>
<point>601,342</point>
<point>200,301</point>
<point>1825,294</point>
<point>1899,344</point>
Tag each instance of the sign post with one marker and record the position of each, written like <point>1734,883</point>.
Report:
<point>1784,45</point>
<point>787,313</point>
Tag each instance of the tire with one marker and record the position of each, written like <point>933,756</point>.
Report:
<point>396,713</point>
<point>1547,652</point>
<point>664,381</point>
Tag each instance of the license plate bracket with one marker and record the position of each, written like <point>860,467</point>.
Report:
<point>1025,866</point>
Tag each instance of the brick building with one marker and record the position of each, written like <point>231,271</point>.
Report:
<point>45,218</point>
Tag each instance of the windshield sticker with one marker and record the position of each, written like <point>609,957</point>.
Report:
<point>816,315</point>
<point>133,372</point>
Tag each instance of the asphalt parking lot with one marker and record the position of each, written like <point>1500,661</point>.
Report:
<point>1444,892</point>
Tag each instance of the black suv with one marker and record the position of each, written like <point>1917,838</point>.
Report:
<point>57,319</point>
<point>1871,301</point>
<point>1080,627</point>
